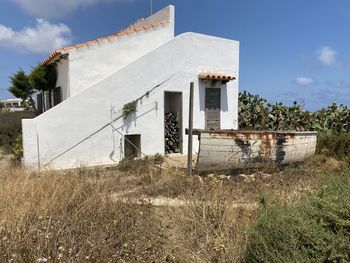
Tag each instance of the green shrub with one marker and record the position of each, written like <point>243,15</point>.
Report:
<point>335,145</point>
<point>11,126</point>
<point>8,135</point>
<point>253,112</point>
<point>316,230</point>
<point>256,114</point>
<point>17,147</point>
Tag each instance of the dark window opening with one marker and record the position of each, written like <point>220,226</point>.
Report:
<point>132,146</point>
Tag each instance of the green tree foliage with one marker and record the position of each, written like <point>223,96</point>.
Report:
<point>256,114</point>
<point>21,87</point>
<point>44,78</point>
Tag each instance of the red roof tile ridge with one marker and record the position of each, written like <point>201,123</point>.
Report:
<point>58,52</point>
<point>132,24</point>
<point>218,76</point>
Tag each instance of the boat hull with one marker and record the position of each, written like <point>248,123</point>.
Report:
<point>222,150</point>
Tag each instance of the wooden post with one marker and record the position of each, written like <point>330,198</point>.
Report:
<point>190,131</point>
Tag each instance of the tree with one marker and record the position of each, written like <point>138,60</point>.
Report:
<point>44,78</point>
<point>21,87</point>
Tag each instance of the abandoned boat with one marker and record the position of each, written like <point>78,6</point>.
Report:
<point>226,150</point>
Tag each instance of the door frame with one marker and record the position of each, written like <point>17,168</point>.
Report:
<point>181,118</point>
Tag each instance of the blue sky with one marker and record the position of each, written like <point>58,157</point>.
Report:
<point>290,49</point>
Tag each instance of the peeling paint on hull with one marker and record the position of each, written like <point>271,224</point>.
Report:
<point>223,150</point>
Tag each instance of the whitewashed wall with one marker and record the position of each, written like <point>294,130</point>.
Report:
<point>90,64</point>
<point>80,130</point>
<point>87,65</point>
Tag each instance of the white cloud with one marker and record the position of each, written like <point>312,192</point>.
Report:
<point>304,81</point>
<point>44,37</point>
<point>56,8</point>
<point>327,56</point>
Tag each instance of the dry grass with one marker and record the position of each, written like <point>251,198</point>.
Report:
<point>73,217</point>
<point>210,228</point>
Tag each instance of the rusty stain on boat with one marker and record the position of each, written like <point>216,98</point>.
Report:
<point>220,150</point>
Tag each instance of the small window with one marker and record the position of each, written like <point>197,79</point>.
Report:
<point>132,146</point>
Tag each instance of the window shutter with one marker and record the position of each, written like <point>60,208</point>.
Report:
<point>39,102</point>
<point>212,108</point>
<point>57,95</point>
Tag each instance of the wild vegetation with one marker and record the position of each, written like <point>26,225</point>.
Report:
<point>337,146</point>
<point>11,129</point>
<point>255,113</point>
<point>314,230</point>
<point>139,212</point>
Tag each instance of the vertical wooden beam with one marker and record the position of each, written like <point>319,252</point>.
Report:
<point>190,131</point>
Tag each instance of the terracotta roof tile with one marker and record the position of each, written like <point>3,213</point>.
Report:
<point>156,24</point>
<point>215,76</point>
<point>68,48</point>
<point>91,42</point>
<point>59,52</point>
<point>112,37</point>
<point>52,57</point>
<point>121,33</point>
<point>130,31</point>
<point>80,45</point>
<point>147,27</point>
<point>101,39</point>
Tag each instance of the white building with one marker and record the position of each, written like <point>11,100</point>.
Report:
<point>13,104</point>
<point>145,62</point>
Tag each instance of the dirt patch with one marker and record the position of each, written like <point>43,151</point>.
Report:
<point>161,201</point>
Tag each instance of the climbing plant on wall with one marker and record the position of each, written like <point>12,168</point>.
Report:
<point>129,108</point>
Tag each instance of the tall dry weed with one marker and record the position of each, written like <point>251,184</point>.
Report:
<point>70,217</point>
<point>210,228</point>
<point>75,216</point>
